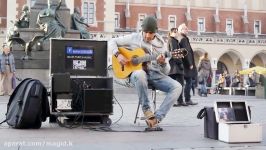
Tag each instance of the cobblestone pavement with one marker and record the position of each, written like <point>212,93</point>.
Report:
<point>182,130</point>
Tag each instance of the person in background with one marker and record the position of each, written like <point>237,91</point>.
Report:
<point>154,72</point>
<point>190,70</point>
<point>261,80</point>
<point>250,81</point>
<point>221,84</point>
<point>177,68</point>
<point>255,77</point>
<point>227,79</point>
<point>193,85</point>
<point>204,71</point>
<point>236,79</point>
<point>7,70</point>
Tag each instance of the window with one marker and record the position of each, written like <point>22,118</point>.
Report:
<point>201,24</point>
<point>141,18</point>
<point>257,27</point>
<point>171,22</point>
<point>91,13</point>
<point>88,12</point>
<point>229,27</point>
<point>117,20</point>
<point>85,11</point>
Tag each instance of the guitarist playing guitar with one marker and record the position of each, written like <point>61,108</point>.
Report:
<point>155,70</point>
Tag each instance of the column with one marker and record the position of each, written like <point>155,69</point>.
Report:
<point>158,12</point>
<point>245,17</point>
<point>109,13</point>
<point>217,18</point>
<point>214,69</point>
<point>188,15</point>
<point>127,14</point>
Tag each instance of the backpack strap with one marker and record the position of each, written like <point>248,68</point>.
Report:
<point>15,91</point>
<point>202,113</point>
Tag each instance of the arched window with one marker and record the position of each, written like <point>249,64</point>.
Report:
<point>221,67</point>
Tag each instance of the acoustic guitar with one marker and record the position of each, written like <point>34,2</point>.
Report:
<point>136,57</point>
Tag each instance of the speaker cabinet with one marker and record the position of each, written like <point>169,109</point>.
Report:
<point>98,101</point>
<point>97,94</point>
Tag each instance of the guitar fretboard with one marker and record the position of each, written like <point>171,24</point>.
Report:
<point>147,57</point>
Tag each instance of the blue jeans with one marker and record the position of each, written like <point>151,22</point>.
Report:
<point>203,89</point>
<point>166,84</point>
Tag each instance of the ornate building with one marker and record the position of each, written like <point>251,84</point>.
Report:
<point>233,32</point>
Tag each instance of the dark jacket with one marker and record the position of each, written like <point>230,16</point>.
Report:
<point>188,60</point>
<point>175,63</point>
<point>204,69</point>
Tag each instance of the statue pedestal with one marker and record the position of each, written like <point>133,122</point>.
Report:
<point>40,57</point>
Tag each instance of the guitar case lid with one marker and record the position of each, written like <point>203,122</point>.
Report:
<point>232,112</point>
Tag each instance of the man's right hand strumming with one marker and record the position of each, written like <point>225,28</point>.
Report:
<point>122,60</point>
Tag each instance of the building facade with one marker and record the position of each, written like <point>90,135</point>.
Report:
<point>232,32</point>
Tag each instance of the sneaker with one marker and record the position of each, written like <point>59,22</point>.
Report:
<point>177,105</point>
<point>148,114</point>
<point>151,123</point>
<point>180,104</point>
<point>191,103</point>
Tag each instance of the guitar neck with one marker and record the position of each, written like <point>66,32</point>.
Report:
<point>146,58</point>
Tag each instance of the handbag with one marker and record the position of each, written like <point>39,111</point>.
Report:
<point>13,81</point>
<point>209,80</point>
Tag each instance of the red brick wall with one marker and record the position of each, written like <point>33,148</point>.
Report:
<point>255,16</point>
<point>99,14</point>
<point>163,23</point>
<point>121,10</point>
<point>195,14</point>
<point>179,13</point>
<point>237,20</point>
<point>3,13</point>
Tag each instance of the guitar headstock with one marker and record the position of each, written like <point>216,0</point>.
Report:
<point>179,53</point>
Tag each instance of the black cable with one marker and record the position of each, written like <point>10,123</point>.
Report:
<point>122,111</point>
<point>109,129</point>
<point>80,85</point>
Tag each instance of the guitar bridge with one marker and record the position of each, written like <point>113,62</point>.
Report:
<point>123,67</point>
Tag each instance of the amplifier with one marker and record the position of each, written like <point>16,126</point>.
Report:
<point>98,101</point>
<point>61,82</point>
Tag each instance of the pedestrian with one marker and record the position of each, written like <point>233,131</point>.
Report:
<point>250,80</point>
<point>236,79</point>
<point>193,85</point>
<point>153,72</point>
<point>177,68</point>
<point>221,84</point>
<point>204,72</point>
<point>7,70</point>
<point>190,70</point>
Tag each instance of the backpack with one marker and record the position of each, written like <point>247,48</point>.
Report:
<point>28,105</point>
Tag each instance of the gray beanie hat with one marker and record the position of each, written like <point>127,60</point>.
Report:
<point>149,24</point>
